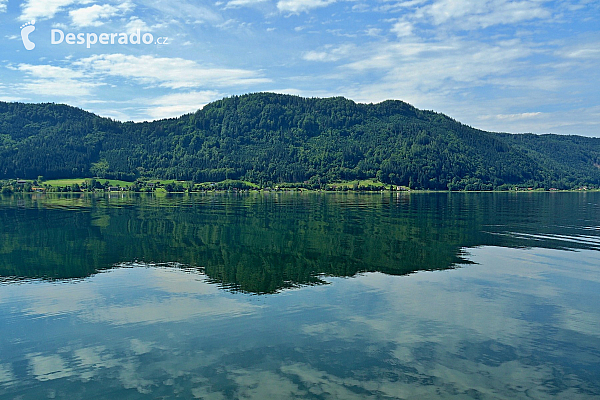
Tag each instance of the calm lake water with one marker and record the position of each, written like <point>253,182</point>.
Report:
<point>311,296</point>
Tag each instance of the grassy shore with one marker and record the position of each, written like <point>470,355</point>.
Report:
<point>174,186</point>
<point>81,181</point>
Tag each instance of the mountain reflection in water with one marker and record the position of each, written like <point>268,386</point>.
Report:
<point>262,243</point>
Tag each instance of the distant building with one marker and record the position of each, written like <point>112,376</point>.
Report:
<point>21,181</point>
<point>114,189</point>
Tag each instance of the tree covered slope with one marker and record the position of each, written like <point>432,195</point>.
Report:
<point>269,138</point>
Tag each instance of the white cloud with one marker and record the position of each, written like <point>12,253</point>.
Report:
<point>60,25</point>
<point>177,104</point>
<point>410,3</point>
<point>136,23</point>
<point>45,9</point>
<point>474,14</point>
<point>67,88</point>
<point>174,73</point>
<point>243,3</point>
<point>513,117</point>
<point>299,6</point>
<point>11,98</point>
<point>419,53</point>
<point>48,80</point>
<point>332,54</point>
<point>360,7</point>
<point>432,65</point>
<point>183,10</point>
<point>373,32</point>
<point>402,6</point>
<point>576,121</point>
<point>77,83</point>
<point>402,28</point>
<point>91,16</point>
<point>447,75</point>
<point>422,67</point>
<point>7,96</point>
<point>49,71</point>
<point>3,5</point>
<point>584,49</point>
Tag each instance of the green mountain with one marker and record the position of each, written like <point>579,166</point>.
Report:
<point>268,138</point>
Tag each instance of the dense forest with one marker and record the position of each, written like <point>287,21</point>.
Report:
<point>268,138</point>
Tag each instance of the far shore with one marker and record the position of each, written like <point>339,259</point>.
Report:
<point>163,187</point>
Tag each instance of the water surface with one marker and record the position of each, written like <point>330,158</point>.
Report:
<point>227,296</point>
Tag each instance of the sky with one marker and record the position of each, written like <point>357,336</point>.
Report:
<point>499,65</point>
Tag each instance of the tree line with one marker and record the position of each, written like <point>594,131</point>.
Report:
<point>271,139</point>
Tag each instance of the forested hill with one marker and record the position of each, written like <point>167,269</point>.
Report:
<point>268,138</point>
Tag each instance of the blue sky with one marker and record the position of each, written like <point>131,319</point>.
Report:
<point>512,66</point>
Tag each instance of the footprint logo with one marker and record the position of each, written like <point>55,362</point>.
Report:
<point>26,29</point>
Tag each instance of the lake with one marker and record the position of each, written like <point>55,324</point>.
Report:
<point>300,295</point>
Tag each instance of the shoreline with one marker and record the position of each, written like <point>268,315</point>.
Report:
<point>291,191</point>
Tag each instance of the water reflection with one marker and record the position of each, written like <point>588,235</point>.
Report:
<point>522,323</point>
<point>262,243</point>
<point>122,297</point>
